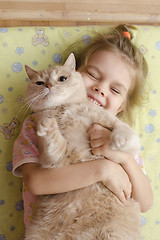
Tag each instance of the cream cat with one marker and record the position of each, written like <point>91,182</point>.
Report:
<point>63,116</point>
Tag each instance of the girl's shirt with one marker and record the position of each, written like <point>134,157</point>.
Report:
<point>26,151</point>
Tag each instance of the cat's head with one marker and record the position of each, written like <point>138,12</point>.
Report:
<point>55,86</point>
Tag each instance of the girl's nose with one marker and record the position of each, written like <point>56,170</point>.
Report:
<point>99,90</point>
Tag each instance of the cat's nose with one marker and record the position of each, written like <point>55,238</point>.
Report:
<point>49,85</point>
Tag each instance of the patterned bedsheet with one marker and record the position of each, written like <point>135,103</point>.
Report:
<point>39,48</point>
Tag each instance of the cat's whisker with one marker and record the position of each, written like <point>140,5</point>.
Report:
<point>22,110</point>
<point>34,100</point>
<point>29,102</point>
<point>40,95</point>
<point>32,96</point>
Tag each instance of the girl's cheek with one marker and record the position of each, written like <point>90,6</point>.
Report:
<point>87,82</point>
<point>84,79</point>
<point>112,106</point>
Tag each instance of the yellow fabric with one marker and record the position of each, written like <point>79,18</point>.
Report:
<point>40,48</point>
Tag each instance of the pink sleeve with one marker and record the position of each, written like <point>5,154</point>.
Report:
<point>140,161</point>
<point>25,147</point>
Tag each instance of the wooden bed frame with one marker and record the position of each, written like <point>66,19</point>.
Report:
<point>76,13</point>
<point>19,13</point>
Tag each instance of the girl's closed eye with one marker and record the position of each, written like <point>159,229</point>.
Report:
<point>115,90</point>
<point>93,75</point>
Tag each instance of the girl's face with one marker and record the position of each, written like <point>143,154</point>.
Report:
<point>107,80</point>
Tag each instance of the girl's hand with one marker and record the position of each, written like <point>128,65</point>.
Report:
<point>119,157</point>
<point>141,188</point>
<point>99,139</point>
<point>124,173</point>
<point>117,180</point>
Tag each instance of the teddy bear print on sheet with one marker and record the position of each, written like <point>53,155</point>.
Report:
<point>20,46</point>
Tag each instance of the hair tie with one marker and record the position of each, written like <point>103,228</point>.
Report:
<point>127,35</point>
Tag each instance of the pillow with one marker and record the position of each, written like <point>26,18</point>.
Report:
<point>41,47</point>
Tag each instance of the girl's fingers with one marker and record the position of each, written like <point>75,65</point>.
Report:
<point>123,196</point>
<point>96,142</point>
<point>96,134</point>
<point>97,131</point>
<point>95,127</point>
<point>120,195</point>
<point>99,151</point>
<point>127,191</point>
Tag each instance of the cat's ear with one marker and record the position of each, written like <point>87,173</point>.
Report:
<point>71,62</point>
<point>30,72</point>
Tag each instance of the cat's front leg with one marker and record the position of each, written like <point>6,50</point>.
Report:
<point>52,145</point>
<point>46,126</point>
<point>123,138</point>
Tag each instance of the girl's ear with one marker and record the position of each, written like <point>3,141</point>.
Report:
<point>30,72</point>
<point>71,62</point>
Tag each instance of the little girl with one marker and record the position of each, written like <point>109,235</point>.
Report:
<point>113,71</point>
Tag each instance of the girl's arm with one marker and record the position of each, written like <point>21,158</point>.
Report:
<point>50,181</point>
<point>75,176</point>
<point>141,188</point>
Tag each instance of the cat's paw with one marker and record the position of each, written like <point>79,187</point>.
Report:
<point>118,141</point>
<point>123,138</point>
<point>46,126</point>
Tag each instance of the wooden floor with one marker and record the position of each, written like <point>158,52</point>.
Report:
<point>74,12</point>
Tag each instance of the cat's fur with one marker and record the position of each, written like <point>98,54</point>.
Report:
<point>63,115</point>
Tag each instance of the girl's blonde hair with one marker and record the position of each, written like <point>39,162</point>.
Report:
<point>119,42</point>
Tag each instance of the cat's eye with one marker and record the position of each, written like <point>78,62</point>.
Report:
<point>62,78</point>
<point>39,83</point>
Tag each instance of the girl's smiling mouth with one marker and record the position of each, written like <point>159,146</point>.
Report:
<point>95,101</point>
